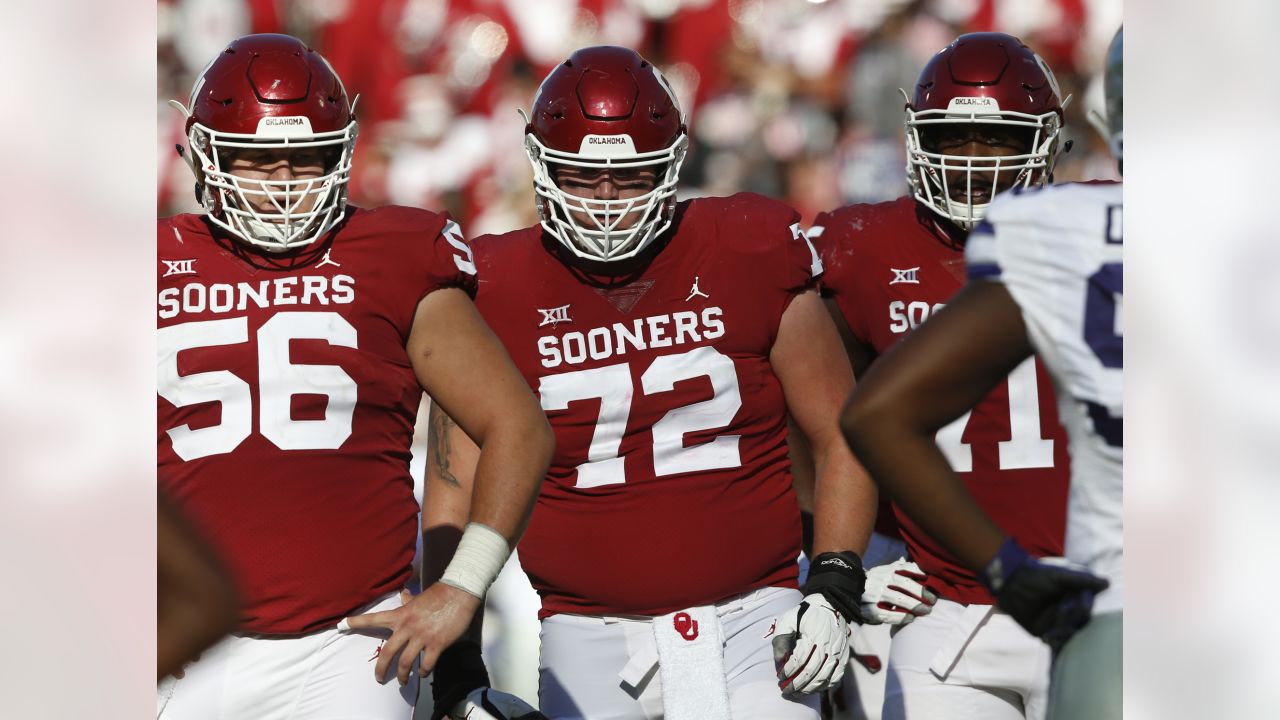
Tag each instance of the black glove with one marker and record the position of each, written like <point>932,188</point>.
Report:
<point>841,580</point>
<point>459,670</point>
<point>1051,601</point>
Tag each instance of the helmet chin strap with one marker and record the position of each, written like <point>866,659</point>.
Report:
<point>259,229</point>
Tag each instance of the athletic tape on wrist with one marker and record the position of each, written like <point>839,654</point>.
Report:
<point>480,556</point>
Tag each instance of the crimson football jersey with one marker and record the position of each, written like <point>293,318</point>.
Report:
<point>889,267</point>
<point>287,403</point>
<point>670,486</point>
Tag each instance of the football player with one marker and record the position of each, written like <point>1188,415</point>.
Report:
<point>296,336</point>
<point>669,342</point>
<point>984,118</point>
<point>1045,277</point>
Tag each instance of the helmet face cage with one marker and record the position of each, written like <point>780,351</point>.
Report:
<point>602,238</point>
<point>229,198</point>
<point>932,174</point>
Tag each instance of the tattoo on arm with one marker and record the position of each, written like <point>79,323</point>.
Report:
<point>438,438</point>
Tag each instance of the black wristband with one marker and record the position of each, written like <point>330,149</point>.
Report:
<point>840,579</point>
<point>459,670</point>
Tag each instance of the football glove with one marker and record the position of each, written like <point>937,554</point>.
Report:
<point>811,646</point>
<point>895,594</point>
<point>489,704</point>
<point>1051,600</point>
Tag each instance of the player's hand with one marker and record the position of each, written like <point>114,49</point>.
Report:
<point>811,646</point>
<point>426,624</point>
<point>1050,599</point>
<point>895,594</point>
<point>489,704</point>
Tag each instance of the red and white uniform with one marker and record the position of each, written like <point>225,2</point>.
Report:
<point>889,266</point>
<point>287,403</point>
<point>670,487</point>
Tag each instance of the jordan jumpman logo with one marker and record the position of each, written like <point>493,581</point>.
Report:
<point>695,291</point>
<point>326,260</point>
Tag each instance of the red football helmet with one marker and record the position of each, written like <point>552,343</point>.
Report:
<point>270,92</point>
<point>988,79</point>
<point>605,107</point>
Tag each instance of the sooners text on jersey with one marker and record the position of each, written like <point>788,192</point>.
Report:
<point>889,267</point>
<point>287,402</point>
<point>670,485</point>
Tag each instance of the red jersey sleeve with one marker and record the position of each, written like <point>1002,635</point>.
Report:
<point>833,238</point>
<point>447,261</point>
<point>799,266</point>
<point>780,260</point>
<point>422,252</point>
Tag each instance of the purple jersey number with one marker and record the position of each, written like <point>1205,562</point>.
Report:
<point>1105,287</point>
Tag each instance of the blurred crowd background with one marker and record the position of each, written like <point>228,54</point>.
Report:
<point>797,99</point>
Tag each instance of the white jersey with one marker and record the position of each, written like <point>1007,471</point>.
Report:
<point>1058,251</point>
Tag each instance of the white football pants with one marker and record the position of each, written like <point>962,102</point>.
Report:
<point>582,657</point>
<point>966,662</point>
<point>326,675</point>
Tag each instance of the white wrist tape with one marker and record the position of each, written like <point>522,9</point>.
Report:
<point>480,556</point>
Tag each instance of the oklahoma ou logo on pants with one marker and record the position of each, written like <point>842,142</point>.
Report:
<point>636,668</point>
<point>685,625</point>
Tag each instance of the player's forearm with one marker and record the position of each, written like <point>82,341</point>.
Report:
<point>514,456</point>
<point>802,469</point>
<point>845,499</point>
<point>908,466</point>
<point>446,496</point>
<point>450,473</point>
<point>446,506</point>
